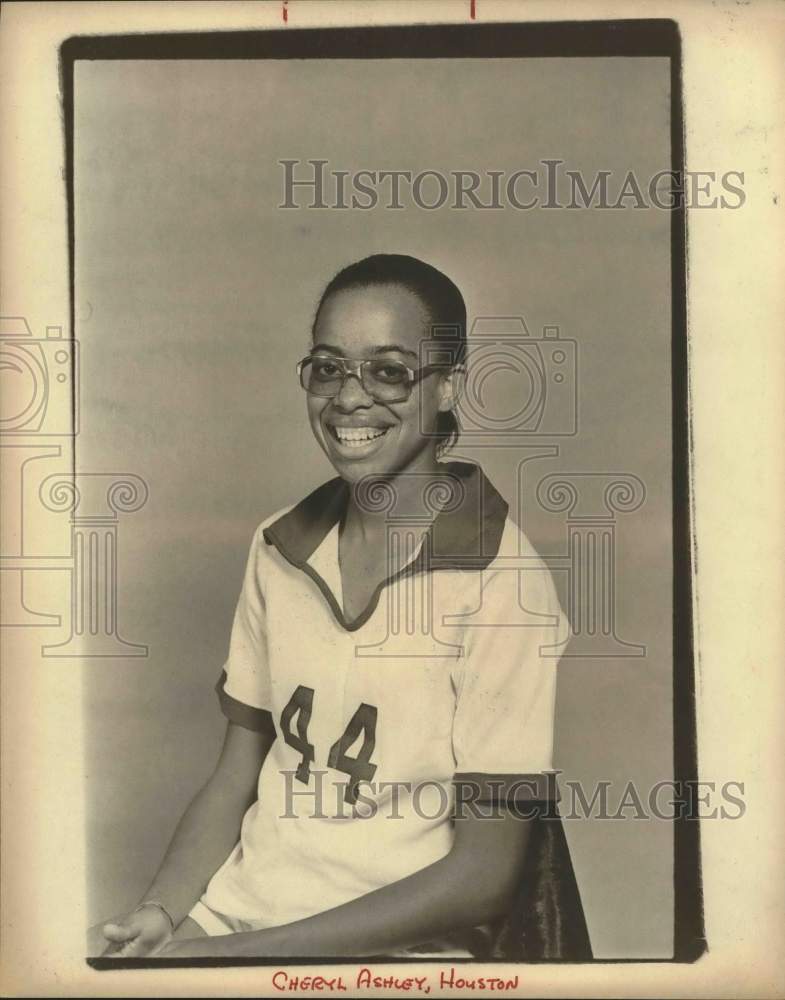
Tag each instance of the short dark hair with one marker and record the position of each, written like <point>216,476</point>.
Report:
<point>440,296</point>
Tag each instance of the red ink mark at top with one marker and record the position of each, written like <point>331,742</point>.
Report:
<point>473,9</point>
<point>285,11</point>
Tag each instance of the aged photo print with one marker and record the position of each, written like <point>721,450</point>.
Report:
<point>367,439</point>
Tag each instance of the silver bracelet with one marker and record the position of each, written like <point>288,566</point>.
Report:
<point>159,906</point>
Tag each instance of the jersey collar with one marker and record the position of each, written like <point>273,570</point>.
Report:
<point>465,535</point>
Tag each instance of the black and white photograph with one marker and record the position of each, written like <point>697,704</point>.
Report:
<point>423,432</point>
<point>368,436</point>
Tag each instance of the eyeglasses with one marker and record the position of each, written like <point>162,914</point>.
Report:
<point>383,380</point>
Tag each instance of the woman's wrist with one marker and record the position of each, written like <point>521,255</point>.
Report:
<point>157,905</point>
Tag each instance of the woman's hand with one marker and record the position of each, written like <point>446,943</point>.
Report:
<point>132,935</point>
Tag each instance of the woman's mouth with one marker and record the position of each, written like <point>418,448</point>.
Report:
<point>358,439</point>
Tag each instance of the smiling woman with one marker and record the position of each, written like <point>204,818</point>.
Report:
<point>373,414</point>
<point>388,312</point>
<point>430,742</point>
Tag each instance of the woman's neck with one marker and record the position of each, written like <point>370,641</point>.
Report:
<point>404,498</point>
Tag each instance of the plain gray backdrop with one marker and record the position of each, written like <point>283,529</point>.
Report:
<point>194,298</point>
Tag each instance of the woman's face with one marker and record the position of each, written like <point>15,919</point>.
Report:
<point>386,322</point>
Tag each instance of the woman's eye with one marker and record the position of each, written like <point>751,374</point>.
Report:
<point>325,369</point>
<point>390,373</point>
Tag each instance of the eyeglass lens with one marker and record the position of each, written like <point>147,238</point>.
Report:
<point>386,381</point>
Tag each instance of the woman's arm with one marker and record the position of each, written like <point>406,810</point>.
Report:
<point>210,826</point>
<point>473,884</point>
<point>206,833</point>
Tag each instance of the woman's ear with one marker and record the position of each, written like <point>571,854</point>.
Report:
<point>449,388</point>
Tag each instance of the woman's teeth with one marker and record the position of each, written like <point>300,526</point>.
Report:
<point>356,436</point>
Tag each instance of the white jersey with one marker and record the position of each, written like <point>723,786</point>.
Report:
<point>449,675</point>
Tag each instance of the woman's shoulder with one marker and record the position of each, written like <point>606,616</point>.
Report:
<point>514,542</point>
<point>257,540</point>
<point>272,518</point>
<point>517,553</point>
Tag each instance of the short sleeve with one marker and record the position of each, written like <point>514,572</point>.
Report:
<point>244,685</point>
<point>506,685</point>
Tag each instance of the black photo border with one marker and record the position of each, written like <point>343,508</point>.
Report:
<point>629,38</point>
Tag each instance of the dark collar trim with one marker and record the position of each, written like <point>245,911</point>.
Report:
<point>466,537</point>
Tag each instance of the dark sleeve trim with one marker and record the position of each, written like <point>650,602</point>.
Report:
<point>476,786</point>
<point>259,720</point>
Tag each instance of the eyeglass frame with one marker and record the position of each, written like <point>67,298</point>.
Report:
<point>414,375</point>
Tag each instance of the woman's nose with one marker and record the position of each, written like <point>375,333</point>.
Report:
<point>352,394</point>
